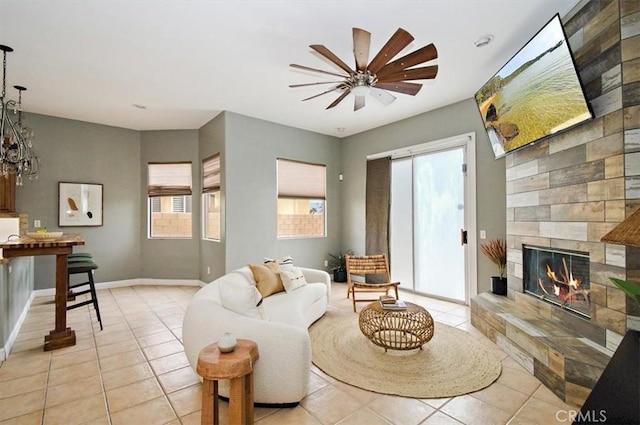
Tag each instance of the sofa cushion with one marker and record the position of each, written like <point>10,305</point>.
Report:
<point>292,279</point>
<point>266,280</point>
<point>291,307</point>
<point>242,299</point>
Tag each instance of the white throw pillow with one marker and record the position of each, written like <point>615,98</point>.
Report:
<point>292,279</point>
<point>242,299</point>
<point>285,263</point>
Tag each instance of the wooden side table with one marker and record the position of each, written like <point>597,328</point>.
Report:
<point>237,366</point>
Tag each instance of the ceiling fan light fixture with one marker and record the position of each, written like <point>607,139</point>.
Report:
<point>379,75</point>
<point>361,90</point>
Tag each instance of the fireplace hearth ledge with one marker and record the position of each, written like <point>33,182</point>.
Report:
<point>633,323</point>
<point>563,360</point>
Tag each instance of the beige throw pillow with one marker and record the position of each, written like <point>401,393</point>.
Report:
<point>266,280</point>
<point>275,268</point>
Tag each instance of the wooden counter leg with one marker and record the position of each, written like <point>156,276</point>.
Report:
<point>62,336</point>
<point>210,407</point>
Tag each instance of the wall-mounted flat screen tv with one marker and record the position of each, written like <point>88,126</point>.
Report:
<point>535,95</point>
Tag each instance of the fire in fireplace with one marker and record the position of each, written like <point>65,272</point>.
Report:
<point>560,277</point>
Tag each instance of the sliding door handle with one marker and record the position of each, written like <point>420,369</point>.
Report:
<point>463,237</point>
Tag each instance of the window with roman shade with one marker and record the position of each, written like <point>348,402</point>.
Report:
<point>169,197</point>
<point>169,179</point>
<point>211,173</point>
<point>302,188</point>
<point>211,197</point>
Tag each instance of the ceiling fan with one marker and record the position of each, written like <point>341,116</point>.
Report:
<point>380,76</point>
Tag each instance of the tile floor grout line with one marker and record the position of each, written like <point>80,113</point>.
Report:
<point>46,390</point>
<point>104,389</point>
<point>165,394</point>
<point>522,407</point>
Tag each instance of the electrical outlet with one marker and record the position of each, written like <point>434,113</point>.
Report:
<point>326,263</point>
<point>483,234</point>
<point>208,270</point>
<point>36,223</point>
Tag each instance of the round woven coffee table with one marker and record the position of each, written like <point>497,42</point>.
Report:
<point>396,329</point>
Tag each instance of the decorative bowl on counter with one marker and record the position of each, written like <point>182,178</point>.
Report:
<point>45,236</point>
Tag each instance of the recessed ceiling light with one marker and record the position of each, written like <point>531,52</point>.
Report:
<point>340,129</point>
<point>135,105</point>
<point>484,40</point>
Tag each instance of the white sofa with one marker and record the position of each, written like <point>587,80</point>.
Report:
<point>281,374</point>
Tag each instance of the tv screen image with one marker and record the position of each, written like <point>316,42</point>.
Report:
<point>536,94</point>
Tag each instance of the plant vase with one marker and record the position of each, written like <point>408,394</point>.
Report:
<point>499,285</point>
<point>339,275</point>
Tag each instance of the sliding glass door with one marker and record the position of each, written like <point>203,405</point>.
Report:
<point>427,216</point>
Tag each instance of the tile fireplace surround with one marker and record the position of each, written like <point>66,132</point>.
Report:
<point>566,192</point>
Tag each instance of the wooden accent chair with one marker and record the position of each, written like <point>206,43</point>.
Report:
<point>363,265</point>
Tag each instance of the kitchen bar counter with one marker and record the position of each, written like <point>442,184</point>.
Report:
<point>66,240</point>
<point>61,336</point>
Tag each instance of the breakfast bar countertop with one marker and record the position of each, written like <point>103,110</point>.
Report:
<point>66,240</point>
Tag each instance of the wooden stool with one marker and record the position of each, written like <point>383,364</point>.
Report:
<point>237,366</point>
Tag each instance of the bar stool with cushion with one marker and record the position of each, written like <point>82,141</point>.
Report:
<point>77,264</point>
<point>76,257</point>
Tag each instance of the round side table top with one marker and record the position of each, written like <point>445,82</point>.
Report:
<point>214,364</point>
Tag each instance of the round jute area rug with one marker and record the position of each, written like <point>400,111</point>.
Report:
<point>451,364</point>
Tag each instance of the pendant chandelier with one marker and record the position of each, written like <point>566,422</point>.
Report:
<point>16,152</point>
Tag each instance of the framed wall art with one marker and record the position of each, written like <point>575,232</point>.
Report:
<point>79,204</point>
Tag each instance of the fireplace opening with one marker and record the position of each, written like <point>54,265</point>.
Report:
<point>560,277</point>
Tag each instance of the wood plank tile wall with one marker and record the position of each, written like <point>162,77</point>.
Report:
<point>569,190</point>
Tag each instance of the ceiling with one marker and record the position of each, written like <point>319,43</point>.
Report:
<point>186,61</point>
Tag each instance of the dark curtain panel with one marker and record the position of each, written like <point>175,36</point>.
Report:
<point>378,196</point>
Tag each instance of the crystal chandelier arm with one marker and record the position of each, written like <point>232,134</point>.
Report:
<point>16,140</point>
<point>16,151</point>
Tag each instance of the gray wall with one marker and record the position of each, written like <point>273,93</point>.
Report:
<point>170,258</point>
<point>76,151</point>
<point>252,147</point>
<point>212,253</point>
<point>442,123</point>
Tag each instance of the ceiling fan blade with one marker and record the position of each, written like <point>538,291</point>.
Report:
<point>358,103</point>
<point>306,68</point>
<point>339,99</point>
<point>382,96</point>
<point>398,41</point>
<point>423,55</point>
<point>324,92</point>
<point>333,58</point>
<point>424,73</point>
<point>401,87</point>
<point>314,84</point>
<point>361,44</point>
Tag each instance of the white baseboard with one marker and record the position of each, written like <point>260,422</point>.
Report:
<point>4,351</point>
<point>131,282</point>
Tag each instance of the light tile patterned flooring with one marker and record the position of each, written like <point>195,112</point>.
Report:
<point>135,372</point>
